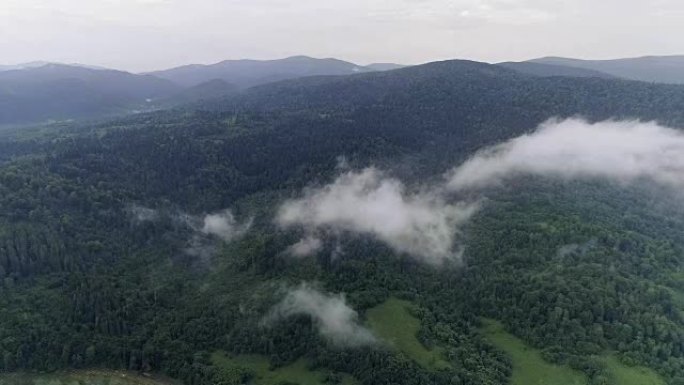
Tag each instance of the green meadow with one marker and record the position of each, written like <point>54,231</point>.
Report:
<point>622,374</point>
<point>529,368</point>
<point>393,322</point>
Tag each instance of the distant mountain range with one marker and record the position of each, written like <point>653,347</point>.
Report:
<point>657,69</point>
<point>40,91</point>
<point>248,73</point>
<point>36,64</point>
<point>60,92</point>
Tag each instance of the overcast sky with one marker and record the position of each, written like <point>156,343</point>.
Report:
<point>154,34</point>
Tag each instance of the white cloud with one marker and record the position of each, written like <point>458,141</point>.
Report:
<point>620,151</point>
<point>201,243</point>
<point>306,246</point>
<point>335,320</point>
<point>421,224</point>
<point>223,225</point>
<point>424,224</point>
<point>220,225</point>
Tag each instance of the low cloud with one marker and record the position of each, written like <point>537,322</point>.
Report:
<point>201,248</point>
<point>308,245</point>
<point>143,214</point>
<point>205,228</point>
<point>335,320</point>
<point>221,225</point>
<point>224,225</point>
<point>573,148</point>
<point>574,248</point>
<point>426,223</point>
<point>421,224</point>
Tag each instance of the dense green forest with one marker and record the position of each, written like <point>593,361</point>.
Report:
<point>99,267</point>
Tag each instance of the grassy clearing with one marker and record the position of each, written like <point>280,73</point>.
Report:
<point>297,372</point>
<point>82,377</point>
<point>529,368</point>
<point>393,322</point>
<point>622,374</point>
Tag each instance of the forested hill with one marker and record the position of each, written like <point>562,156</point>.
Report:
<point>463,84</point>
<point>63,92</point>
<point>108,257</point>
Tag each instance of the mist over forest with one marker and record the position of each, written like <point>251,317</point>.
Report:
<point>388,219</point>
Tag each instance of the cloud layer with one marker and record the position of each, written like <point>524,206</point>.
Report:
<point>619,151</point>
<point>367,202</point>
<point>335,320</point>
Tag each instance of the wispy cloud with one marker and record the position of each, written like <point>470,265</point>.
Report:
<point>426,223</point>
<point>421,224</point>
<point>143,214</point>
<point>205,228</point>
<point>306,246</point>
<point>223,225</point>
<point>335,320</point>
<point>573,148</point>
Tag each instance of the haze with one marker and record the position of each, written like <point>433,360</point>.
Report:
<point>141,35</point>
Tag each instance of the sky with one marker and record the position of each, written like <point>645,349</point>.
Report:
<point>144,35</point>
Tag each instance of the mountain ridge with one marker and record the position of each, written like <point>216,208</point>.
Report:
<point>542,69</point>
<point>249,72</point>
<point>661,69</point>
